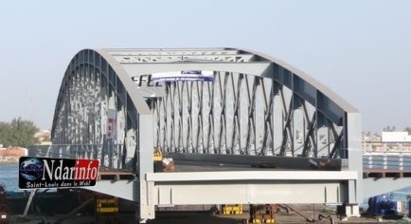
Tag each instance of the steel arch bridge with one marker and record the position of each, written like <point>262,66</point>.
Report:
<point>257,109</point>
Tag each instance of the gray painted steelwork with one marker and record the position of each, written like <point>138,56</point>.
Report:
<point>379,186</point>
<point>258,106</point>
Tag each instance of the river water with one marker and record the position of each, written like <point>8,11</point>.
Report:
<point>9,176</point>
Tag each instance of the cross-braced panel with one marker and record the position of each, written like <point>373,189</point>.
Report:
<point>241,114</point>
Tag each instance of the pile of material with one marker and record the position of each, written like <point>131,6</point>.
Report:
<point>168,165</point>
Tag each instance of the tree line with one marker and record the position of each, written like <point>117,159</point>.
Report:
<point>18,133</point>
<point>393,128</point>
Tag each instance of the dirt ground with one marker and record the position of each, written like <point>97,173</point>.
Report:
<point>308,214</point>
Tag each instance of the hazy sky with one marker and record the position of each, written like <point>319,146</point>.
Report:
<point>360,49</point>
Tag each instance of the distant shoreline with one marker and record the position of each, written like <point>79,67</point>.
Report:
<point>13,160</point>
<point>9,162</point>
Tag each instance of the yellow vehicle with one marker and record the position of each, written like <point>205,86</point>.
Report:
<point>158,156</point>
<point>158,160</point>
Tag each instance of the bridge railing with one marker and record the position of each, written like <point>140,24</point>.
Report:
<point>387,161</point>
<point>377,161</point>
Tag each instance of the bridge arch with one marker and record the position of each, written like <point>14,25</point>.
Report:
<point>257,106</point>
<point>96,91</point>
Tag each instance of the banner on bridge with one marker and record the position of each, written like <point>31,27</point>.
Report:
<point>35,172</point>
<point>183,75</point>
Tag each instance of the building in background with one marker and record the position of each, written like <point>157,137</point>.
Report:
<point>391,141</point>
<point>12,155</point>
<point>44,137</point>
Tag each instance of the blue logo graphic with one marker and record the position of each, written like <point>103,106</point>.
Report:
<point>31,169</point>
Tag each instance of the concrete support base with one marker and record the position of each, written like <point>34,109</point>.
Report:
<point>346,211</point>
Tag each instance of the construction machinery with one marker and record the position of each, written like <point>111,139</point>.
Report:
<point>236,209</point>
<point>106,209</point>
<point>158,160</point>
<point>261,214</point>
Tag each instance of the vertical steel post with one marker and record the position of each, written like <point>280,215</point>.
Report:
<point>145,165</point>
<point>354,139</point>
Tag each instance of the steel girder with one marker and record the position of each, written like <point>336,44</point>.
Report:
<point>257,106</point>
<point>271,110</point>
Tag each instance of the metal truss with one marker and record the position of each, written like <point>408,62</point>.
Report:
<point>242,114</point>
<point>94,116</point>
<point>271,109</point>
<point>174,58</point>
<point>256,107</point>
<point>179,55</point>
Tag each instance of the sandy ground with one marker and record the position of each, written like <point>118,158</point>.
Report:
<point>193,218</point>
<point>174,215</point>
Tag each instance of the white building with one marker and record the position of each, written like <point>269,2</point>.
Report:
<point>396,136</point>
